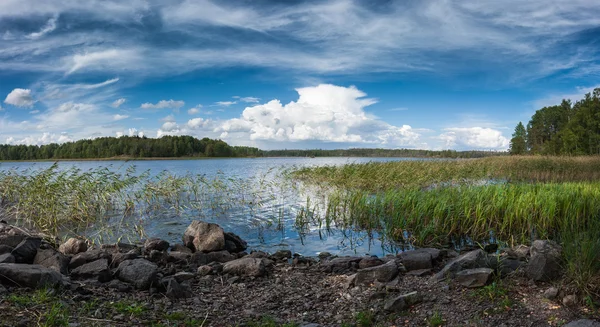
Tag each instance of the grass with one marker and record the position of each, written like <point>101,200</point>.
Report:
<point>129,308</point>
<point>436,320</point>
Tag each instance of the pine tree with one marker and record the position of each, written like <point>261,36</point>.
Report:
<point>518,143</point>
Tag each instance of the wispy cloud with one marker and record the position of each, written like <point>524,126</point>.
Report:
<point>117,103</point>
<point>49,27</point>
<point>163,104</point>
<point>224,103</point>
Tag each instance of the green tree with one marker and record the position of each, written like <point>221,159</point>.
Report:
<point>518,143</point>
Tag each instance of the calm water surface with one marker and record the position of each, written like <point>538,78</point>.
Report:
<point>269,227</point>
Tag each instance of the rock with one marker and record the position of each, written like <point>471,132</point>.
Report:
<point>419,272</point>
<point>88,256</point>
<point>52,259</point>
<point>119,247</point>
<point>369,262</point>
<point>181,248</point>
<point>97,269</point>
<point>476,277</point>
<point>158,257</point>
<point>583,323</point>
<point>324,255</point>
<point>245,267</point>
<point>551,293</point>
<point>204,270</point>
<point>402,302</point>
<point>383,273</point>
<point>12,240</point>
<point>204,237</point>
<point>490,248</point>
<point>417,259</point>
<point>118,285</point>
<point>520,252</point>
<point>6,248</point>
<point>176,256</point>
<point>258,254</point>
<point>32,276</point>
<point>282,255</point>
<point>509,266</point>
<point>340,264</point>
<point>7,258</point>
<point>219,256</point>
<point>469,260</point>
<point>119,257</point>
<point>234,243</point>
<point>570,300</point>
<point>173,289</point>
<point>436,254</point>
<point>182,276</point>
<point>545,262</point>
<point>155,244</point>
<point>73,246</point>
<point>139,272</point>
<point>25,251</point>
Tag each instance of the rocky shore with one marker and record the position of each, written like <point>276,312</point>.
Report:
<point>211,280</point>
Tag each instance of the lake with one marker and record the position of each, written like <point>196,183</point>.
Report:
<point>262,210</point>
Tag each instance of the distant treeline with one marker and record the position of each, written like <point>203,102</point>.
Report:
<point>565,129</point>
<point>188,146</point>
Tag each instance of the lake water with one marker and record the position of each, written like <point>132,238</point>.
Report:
<point>269,226</point>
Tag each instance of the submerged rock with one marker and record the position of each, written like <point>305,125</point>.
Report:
<point>234,243</point>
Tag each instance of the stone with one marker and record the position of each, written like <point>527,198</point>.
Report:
<point>258,254</point>
<point>97,269</point>
<point>119,257</point>
<point>73,246</point>
<point>12,240</point>
<point>119,247</point>
<point>219,256</point>
<point>469,260</point>
<point>509,266</point>
<point>324,255</point>
<point>181,248</point>
<point>340,264</point>
<point>204,270</point>
<point>369,262</point>
<point>383,273</point>
<point>402,302</point>
<point>140,273</point>
<point>5,248</point>
<point>204,237</point>
<point>490,248</point>
<point>88,256</point>
<point>282,255</point>
<point>32,276</point>
<point>436,254</point>
<point>570,300</point>
<point>25,251</point>
<point>155,244</point>
<point>118,285</point>
<point>158,257</point>
<point>174,290</point>
<point>551,293</point>
<point>419,272</point>
<point>583,323</point>
<point>7,258</point>
<point>182,276</point>
<point>476,277</point>
<point>52,259</point>
<point>234,243</point>
<point>245,267</point>
<point>545,262</point>
<point>417,259</point>
<point>176,256</point>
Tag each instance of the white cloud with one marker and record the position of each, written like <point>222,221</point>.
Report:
<point>113,59</point>
<point>168,127</point>
<point>44,138</point>
<point>164,104</point>
<point>474,138</point>
<point>20,98</point>
<point>117,103</point>
<point>325,112</point>
<point>247,99</point>
<point>197,123</point>
<point>49,27</point>
<point>193,111</point>
<point>1,108</point>
<point>33,112</point>
<point>225,103</point>
<point>119,117</point>
<point>169,118</point>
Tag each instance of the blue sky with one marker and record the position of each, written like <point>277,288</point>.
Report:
<point>292,74</point>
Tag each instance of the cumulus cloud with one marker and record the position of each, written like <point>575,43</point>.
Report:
<point>119,117</point>
<point>45,138</point>
<point>474,138</point>
<point>193,111</point>
<point>49,27</point>
<point>118,103</point>
<point>20,98</point>
<point>325,112</point>
<point>164,104</point>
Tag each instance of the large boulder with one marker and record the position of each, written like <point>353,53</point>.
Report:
<point>417,259</point>
<point>476,277</point>
<point>7,258</point>
<point>234,243</point>
<point>96,269</point>
<point>25,251</point>
<point>32,276</point>
<point>73,246</point>
<point>341,264</point>
<point>245,267</point>
<point>52,259</point>
<point>369,262</point>
<point>173,289</point>
<point>89,256</point>
<point>139,272</point>
<point>403,302</point>
<point>155,244</point>
<point>383,273</point>
<point>545,261</point>
<point>204,237</point>
<point>469,260</point>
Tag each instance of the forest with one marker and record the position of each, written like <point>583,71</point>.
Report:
<point>564,129</point>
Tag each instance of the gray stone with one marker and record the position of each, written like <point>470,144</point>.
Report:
<point>181,248</point>
<point>476,277</point>
<point>182,276</point>
<point>509,266</point>
<point>417,259</point>
<point>383,273</point>
<point>6,248</point>
<point>545,262</point>
<point>419,272</point>
<point>155,244</point>
<point>7,258</point>
<point>258,254</point>
<point>219,256</point>
<point>174,290</point>
<point>119,257</point>
<point>25,251</point>
<point>469,260</point>
<point>403,302</point>
<point>88,256</point>
<point>245,267</point>
<point>282,255</point>
<point>570,300</point>
<point>139,272</point>
<point>583,323</point>
<point>97,269</point>
<point>119,247</point>
<point>234,243</point>
<point>73,246</point>
<point>340,264</point>
<point>436,254</point>
<point>32,276</point>
<point>204,270</point>
<point>369,262</point>
<point>204,237</point>
<point>176,256</point>
<point>52,259</point>
<point>12,240</point>
<point>551,293</point>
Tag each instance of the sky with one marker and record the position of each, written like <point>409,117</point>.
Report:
<point>439,74</point>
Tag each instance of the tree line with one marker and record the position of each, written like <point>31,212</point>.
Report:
<point>564,129</point>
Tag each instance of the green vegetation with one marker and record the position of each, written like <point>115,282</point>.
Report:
<point>44,305</point>
<point>436,320</point>
<point>565,129</point>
